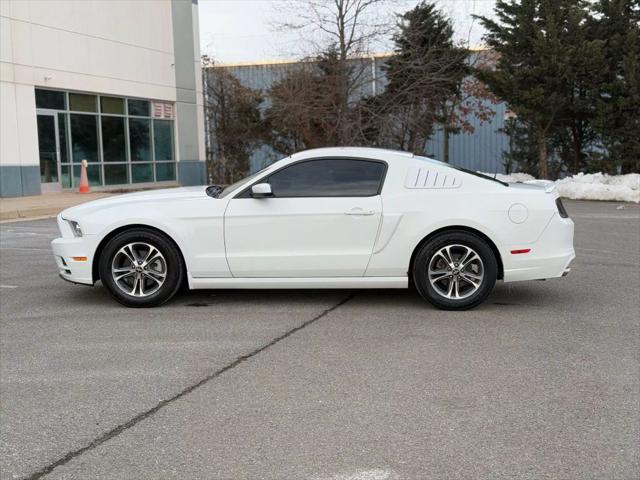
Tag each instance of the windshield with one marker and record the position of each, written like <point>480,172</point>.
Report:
<point>230,188</point>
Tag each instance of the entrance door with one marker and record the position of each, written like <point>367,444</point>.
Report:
<point>49,152</point>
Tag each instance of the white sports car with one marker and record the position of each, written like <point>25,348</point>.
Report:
<point>325,218</point>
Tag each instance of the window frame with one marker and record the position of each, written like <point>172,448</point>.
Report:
<point>246,192</point>
<point>99,114</point>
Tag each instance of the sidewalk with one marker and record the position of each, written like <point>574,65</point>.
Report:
<point>45,205</point>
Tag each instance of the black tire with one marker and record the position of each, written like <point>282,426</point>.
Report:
<point>428,255</point>
<point>171,260</point>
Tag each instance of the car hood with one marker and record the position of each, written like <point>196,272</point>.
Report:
<point>155,196</point>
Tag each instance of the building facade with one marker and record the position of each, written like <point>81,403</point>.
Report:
<point>116,83</point>
<point>480,150</point>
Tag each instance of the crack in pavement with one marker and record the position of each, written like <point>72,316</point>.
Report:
<point>114,432</point>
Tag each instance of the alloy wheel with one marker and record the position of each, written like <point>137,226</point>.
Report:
<point>455,271</point>
<point>139,269</point>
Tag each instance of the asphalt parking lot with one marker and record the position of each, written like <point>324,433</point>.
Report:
<point>542,381</point>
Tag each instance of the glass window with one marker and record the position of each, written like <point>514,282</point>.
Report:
<point>47,148</point>
<point>80,102</point>
<point>116,174</point>
<point>116,135</point>
<point>50,99</point>
<point>163,139</point>
<point>113,139</point>
<point>142,172</point>
<point>140,139</point>
<point>62,138</point>
<point>65,171</point>
<point>165,171</point>
<point>94,174</point>
<point>328,178</point>
<point>112,105</point>
<point>84,137</point>
<point>139,107</point>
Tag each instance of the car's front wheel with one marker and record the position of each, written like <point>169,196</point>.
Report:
<point>455,270</point>
<point>141,268</point>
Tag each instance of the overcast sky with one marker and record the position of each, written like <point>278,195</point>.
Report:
<point>234,31</point>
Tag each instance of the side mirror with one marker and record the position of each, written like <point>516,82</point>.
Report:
<point>261,190</point>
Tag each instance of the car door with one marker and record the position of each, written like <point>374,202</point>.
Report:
<point>322,221</point>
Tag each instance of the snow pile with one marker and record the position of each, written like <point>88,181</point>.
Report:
<point>514,177</point>
<point>589,186</point>
<point>599,186</point>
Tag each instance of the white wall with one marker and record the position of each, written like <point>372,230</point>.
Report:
<point>199,87</point>
<point>122,47</point>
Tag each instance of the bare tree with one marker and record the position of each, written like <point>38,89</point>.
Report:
<point>472,100</point>
<point>340,31</point>
<point>233,119</point>
<point>341,97</point>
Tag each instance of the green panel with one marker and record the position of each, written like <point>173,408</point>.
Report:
<point>139,107</point>
<point>112,105</point>
<point>163,139</point>
<point>114,148</point>
<point>47,148</point>
<point>142,172</point>
<point>50,99</point>
<point>84,137</point>
<point>63,137</point>
<point>165,171</point>
<point>80,102</point>
<point>140,139</point>
<point>116,174</point>
<point>66,176</point>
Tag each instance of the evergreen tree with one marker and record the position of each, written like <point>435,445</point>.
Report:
<point>543,70</point>
<point>617,23</point>
<point>574,138</point>
<point>423,75</point>
<point>521,155</point>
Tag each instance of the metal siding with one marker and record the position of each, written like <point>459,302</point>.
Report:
<point>480,150</point>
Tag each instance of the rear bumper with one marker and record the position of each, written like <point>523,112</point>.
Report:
<point>549,257</point>
<point>66,251</point>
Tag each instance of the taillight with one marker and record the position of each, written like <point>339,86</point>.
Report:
<point>561,210</point>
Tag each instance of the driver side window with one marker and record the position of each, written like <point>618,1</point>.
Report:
<point>329,178</point>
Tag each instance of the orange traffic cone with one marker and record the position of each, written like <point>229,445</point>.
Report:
<point>84,181</point>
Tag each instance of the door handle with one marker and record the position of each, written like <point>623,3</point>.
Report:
<point>357,211</point>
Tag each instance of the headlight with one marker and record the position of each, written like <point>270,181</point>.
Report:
<point>75,227</point>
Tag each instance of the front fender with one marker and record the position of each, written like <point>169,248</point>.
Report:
<point>195,227</point>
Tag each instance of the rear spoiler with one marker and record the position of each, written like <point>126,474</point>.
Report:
<point>548,185</point>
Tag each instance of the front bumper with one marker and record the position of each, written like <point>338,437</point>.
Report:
<point>73,261</point>
<point>73,255</point>
<point>549,257</point>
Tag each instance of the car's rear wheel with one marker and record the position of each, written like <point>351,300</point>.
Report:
<point>141,268</point>
<point>455,270</point>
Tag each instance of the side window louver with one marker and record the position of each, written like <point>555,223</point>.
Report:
<point>425,178</point>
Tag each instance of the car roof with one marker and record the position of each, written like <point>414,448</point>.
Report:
<point>362,152</point>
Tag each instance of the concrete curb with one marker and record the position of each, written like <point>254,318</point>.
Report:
<point>46,205</point>
<point>43,212</point>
